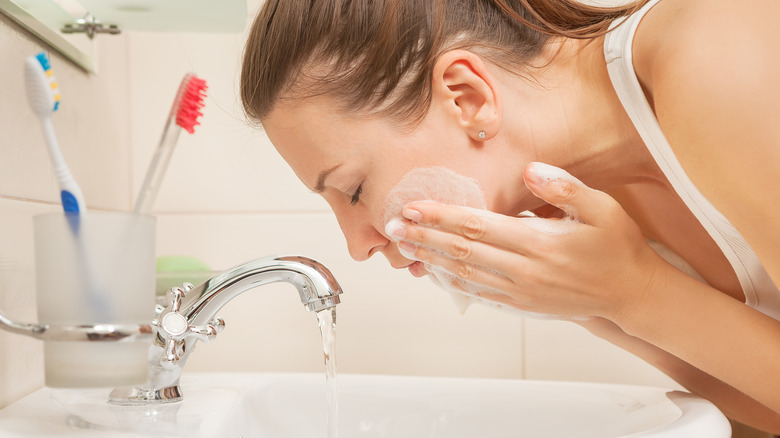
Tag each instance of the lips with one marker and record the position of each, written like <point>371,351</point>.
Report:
<point>417,269</point>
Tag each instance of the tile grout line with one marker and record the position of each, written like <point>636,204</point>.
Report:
<point>29,200</point>
<point>129,126</point>
<point>183,213</point>
<point>242,213</point>
<point>524,350</point>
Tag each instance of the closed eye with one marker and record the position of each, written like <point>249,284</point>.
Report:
<point>356,196</point>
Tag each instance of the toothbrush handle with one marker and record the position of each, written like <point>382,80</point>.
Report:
<point>157,168</point>
<point>70,192</point>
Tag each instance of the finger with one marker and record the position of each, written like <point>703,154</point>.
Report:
<point>475,224</point>
<point>502,298</point>
<point>464,271</point>
<point>515,303</point>
<point>559,188</point>
<point>458,247</point>
<point>526,235</point>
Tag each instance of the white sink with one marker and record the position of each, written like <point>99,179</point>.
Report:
<point>240,405</point>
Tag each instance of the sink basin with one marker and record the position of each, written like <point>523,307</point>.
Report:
<point>239,405</point>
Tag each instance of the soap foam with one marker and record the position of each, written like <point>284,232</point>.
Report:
<point>442,185</point>
<point>437,184</point>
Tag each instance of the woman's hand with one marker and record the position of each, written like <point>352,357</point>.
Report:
<point>594,262</point>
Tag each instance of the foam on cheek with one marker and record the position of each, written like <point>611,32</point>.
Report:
<point>437,184</point>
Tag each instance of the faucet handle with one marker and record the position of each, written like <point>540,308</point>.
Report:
<point>176,294</point>
<point>175,329</point>
<point>208,332</point>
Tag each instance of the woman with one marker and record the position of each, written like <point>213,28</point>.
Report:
<point>667,126</point>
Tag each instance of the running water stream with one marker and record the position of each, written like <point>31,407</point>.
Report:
<point>327,321</point>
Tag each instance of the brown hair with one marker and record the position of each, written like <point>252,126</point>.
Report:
<point>378,55</point>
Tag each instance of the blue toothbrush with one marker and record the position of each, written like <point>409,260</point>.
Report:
<point>44,98</point>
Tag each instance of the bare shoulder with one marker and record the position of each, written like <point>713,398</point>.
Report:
<point>711,69</point>
<point>707,40</point>
<point>717,57</point>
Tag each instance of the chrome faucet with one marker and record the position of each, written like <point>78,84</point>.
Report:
<point>191,316</point>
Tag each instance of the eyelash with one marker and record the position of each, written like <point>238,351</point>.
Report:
<point>356,196</point>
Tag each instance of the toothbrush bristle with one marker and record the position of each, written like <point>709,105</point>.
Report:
<point>46,65</point>
<point>69,202</point>
<point>44,60</point>
<point>192,94</point>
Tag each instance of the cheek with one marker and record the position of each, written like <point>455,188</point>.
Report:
<point>433,184</point>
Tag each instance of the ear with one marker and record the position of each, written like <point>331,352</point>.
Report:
<point>463,84</point>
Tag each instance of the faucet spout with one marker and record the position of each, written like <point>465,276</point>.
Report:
<point>317,287</point>
<point>191,316</point>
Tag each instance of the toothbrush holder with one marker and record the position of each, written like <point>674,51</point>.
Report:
<point>95,269</point>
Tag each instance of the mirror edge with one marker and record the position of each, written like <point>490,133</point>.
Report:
<point>48,35</point>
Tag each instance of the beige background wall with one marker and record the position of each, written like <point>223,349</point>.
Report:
<point>228,198</point>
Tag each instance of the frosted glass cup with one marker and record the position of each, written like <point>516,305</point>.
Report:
<point>98,269</point>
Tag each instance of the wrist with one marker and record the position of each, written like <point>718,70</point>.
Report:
<point>644,297</point>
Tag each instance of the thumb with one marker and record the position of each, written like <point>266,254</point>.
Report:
<point>559,188</point>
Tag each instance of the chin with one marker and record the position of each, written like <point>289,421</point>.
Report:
<point>509,207</point>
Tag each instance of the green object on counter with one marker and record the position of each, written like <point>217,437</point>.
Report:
<point>174,270</point>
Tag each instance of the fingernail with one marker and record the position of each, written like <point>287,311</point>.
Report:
<point>407,250</point>
<point>540,174</point>
<point>412,214</point>
<point>395,229</point>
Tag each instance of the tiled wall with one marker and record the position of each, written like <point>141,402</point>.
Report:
<point>228,198</point>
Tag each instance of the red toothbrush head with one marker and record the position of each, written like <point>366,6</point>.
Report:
<point>192,91</point>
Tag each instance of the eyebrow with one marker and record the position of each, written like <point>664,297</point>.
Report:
<point>323,176</point>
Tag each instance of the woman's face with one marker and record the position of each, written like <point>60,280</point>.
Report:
<point>354,162</point>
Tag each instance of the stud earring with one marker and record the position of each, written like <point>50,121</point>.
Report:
<point>482,134</point>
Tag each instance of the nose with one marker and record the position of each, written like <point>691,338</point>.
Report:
<point>363,239</point>
<point>361,248</point>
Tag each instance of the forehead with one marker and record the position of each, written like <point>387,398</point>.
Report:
<point>299,122</point>
<point>303,133</point>
<point>312,136</point>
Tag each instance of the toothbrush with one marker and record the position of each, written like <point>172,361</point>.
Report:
<point>184,115</point>
<point>44,98</point>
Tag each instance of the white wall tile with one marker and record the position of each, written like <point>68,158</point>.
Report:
<point>21,364</point>
<point>226,165</point>
<point>24,164</point>
<point>559,350</point>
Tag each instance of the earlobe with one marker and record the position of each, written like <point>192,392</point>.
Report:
<point>464,84</point>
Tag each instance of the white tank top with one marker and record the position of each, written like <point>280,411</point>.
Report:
<point>760,292</point>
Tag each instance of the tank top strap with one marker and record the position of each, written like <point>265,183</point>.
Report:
<point>760,291</point>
